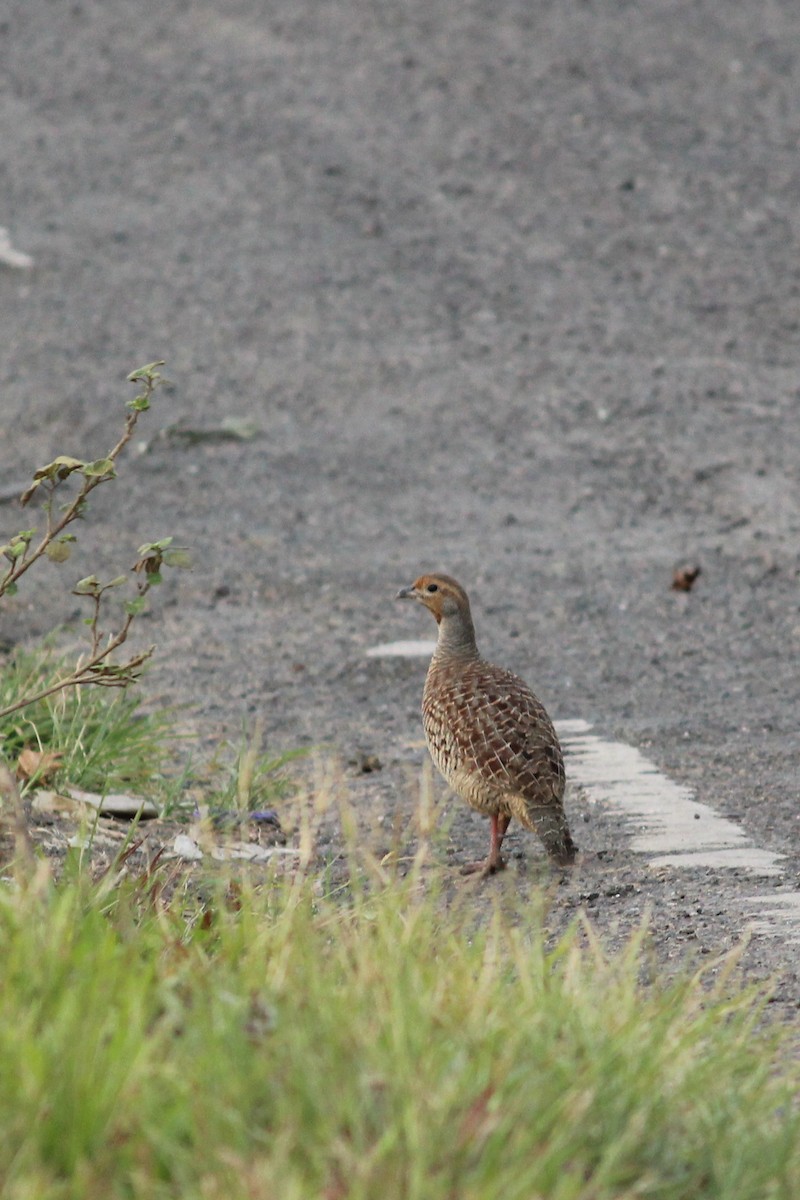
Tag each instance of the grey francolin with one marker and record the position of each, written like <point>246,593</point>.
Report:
<point>487,733</point>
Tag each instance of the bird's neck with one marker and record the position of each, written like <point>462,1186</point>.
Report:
<point>456,638</point>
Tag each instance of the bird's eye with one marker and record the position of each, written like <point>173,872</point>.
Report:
<point>432,587</point>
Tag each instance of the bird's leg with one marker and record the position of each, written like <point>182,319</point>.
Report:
<point>500,823</point>
<point>488,866</point>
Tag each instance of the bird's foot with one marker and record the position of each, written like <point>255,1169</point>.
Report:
<point>485,867</point>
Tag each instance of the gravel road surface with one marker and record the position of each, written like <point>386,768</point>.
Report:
<point>505,289</point>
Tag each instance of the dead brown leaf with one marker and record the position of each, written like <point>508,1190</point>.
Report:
<point>40,763</point>
<point>684,577</point>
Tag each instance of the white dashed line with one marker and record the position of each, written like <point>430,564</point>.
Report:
<point>10,257</point>
<point>779,916</point>
<point>664,817</point>
<point>673,828</point>
<point>417,649</point>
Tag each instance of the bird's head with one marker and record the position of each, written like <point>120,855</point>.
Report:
<point>440,593</point>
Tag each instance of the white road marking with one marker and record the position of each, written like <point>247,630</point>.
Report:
<point>664,817</point>
<point>675,829</point>
<point>10,257</point>
<point>416,649</point>
<point>779,916</point>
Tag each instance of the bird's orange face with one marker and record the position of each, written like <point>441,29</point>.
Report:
<point>439,593</point>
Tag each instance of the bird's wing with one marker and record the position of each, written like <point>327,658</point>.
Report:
<point>508,735</point>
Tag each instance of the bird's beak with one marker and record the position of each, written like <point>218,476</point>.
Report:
<point>408,593</point>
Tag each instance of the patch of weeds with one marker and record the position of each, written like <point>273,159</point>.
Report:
<point>244,780</point>
<point>97,740</point>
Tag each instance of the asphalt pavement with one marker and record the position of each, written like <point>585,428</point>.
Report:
<point>505,289</point>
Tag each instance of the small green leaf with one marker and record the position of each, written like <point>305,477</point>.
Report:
<point>120,579</point>
<point>139,403</point>
<point>58,551</point>
<point>178,558</point>
<point>11,589</point>
<point>89,586</point>
<point>152,547</point>
<point>18,544</point>
<point>147,372</point>
<point>134,607</point>
<point>154,577</point>
<point>100,468</point>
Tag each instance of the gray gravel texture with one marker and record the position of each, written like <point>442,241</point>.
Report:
<point>509,289</point>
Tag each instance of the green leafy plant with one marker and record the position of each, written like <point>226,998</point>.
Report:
<point>24,549</point>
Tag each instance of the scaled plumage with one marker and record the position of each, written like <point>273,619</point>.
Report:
<point>487,732</point>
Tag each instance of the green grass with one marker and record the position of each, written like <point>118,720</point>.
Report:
<point>242,779</point>
<point>351,1041</point>
<point>280,1044</point>
<point>105,741</point>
